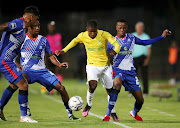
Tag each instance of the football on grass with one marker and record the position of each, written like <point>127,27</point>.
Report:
<point>76,103</point>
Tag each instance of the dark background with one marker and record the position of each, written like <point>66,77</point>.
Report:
<point>71,17</point>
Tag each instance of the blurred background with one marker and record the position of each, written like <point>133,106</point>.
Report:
<point>71,16</point>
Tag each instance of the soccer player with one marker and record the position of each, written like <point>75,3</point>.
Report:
<point>12,39</point>
<point>124,70</point>
<point>98,64</point>
<point>34,70</point>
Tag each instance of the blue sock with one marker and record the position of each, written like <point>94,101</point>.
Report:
<point>137,108</point>
<point>112,101</point>
<point>69,111</point>
<point>23,101</point>
<point>8,92</point>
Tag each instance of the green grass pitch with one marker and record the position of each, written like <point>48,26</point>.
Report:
<point>51,113</point>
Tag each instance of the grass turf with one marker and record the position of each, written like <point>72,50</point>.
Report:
<point>52,114</point>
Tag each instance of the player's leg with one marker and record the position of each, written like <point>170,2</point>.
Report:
<point>107,82</point>
<point>14,75</point>
<point>8,92</point>
<point>135,88</point>
<point>23,100</point>
<point>113,111</point>
<point>92,77</point>
<point>91,91</point>
<point>25,74</point>
<point>137,105</point>
<point>90,96</point>
<point>113,97</point>
<point>65,97</point>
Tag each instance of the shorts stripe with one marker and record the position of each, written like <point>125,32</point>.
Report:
<point>9,69</point>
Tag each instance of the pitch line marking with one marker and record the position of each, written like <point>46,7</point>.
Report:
<point>90,113</point>
<point>156,110</point>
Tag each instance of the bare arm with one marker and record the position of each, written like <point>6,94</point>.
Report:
<point>57,63</point>
<point>4,27</point>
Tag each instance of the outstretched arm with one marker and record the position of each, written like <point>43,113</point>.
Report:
<point>57,63</point>
<point>73,43</point>
<point>4,27</point>
<point>151,41</point>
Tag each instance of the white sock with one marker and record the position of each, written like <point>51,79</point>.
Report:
<point>89,97</point>
<point>113,110</point>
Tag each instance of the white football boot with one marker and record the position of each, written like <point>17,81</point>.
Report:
<point>27,119</point>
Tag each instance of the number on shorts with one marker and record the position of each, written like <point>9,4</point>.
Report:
<point>137,81</point>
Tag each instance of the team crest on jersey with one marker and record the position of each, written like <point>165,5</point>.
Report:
<point>12,25</point>
<point>125,48</point>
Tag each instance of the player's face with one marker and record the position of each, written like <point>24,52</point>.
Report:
<point>92,32</point>
<point>121,28</point>
<point>35,29</point>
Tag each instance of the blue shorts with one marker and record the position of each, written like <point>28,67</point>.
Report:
<point>129,79</point>
<point>10,70</point>
<point>42,76</point>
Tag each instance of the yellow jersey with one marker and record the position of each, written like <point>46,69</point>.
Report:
<point>96,48</point>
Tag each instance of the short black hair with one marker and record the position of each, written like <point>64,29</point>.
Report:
<point>32,9</point>
<point>92,24</point>
<point>122,20</point>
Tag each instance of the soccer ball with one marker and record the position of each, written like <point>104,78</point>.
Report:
<point>76,103</point>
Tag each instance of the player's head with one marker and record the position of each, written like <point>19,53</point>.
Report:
<point>31,15</point>
<point>92,28</point>
<point>35,29</point>
<point>121,27</point>
<point>139,27</point>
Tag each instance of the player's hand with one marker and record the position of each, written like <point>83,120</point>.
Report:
<point>112,52</point>
<point>20,67</point>
<point>64,65</point>
<point>166,32</point>
<point>58,52</point>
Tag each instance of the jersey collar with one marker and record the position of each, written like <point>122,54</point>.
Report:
<point>32,38</point>
<point>120,37</point>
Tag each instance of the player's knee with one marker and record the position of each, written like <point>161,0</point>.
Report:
<point>117,86</point>
<point>140,101</point>
<point>60,88</point>
<point>92,86</point>
<point>23,86</point>
<point>13,86</point>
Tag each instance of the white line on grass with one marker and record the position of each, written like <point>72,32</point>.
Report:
<point>90,113</point>
<point>156,110</point>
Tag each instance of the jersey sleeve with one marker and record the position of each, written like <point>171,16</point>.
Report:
<point>147,42</point>
<point>113,41</point>
<point>73,43</point>
<point>47,48</point>
<point>109,47</point>
<point>16,25</point>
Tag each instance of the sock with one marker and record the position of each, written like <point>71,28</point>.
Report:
<point>23,102</point>
<point>112,101</point>
<point>113,110</point>
<point>137,108</point>
<point>90,97</point>
<point>69,111</point>
<point>8,92</point>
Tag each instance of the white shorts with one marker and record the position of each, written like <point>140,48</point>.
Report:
<point>102,73</point>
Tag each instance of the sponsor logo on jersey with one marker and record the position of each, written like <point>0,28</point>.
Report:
<point>36,56</point>
<point>125,52</point>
